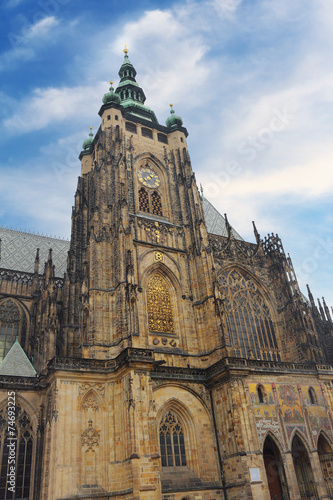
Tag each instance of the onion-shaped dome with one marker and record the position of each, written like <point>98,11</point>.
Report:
<point>174,122</point>
<point>88,142</point>
<point>111,96</point>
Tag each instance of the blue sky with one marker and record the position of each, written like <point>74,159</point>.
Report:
<point>252,80</point>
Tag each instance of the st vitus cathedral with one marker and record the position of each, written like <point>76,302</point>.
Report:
<point>159,355</point>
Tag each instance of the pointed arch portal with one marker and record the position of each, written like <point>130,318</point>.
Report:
<point>274,468</point>
<point>303,470</point>
<point>325,454</point>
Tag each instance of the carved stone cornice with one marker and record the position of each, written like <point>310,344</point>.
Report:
<point>22,383</point>
<point>129,355</point>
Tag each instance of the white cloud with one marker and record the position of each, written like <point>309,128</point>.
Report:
<point>224,7</point>
<point>25,42</point>
<point>54,105</point>
<point>172,56</point>
<point>41,27</point>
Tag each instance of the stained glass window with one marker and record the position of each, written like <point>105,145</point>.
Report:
<point>248,318</point>
<point>160,316</point>
<point>23,464</point>
<point>172,444</point>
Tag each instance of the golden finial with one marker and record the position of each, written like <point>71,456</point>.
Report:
<point>111,82</point>
<point>170,105</point>
<point>91,128</point>
<point>126,49</point>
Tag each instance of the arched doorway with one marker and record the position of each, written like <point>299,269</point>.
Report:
<point>303,470</point>
<point>325,454</point>
<point>276,478</point>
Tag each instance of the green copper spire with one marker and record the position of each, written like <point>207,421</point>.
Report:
<point>111,96</point>
<point>174,122</point>
<point>88,142</point>
<point>131,94</point>
<point>128,89</point>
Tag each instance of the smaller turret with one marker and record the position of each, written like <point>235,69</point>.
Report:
<point>111,97</point>
<point>174,122</point>
<point>88,142</point>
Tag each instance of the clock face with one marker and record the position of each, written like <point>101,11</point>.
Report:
<point>148,178</point>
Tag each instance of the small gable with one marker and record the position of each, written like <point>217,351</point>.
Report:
<point>17,363</point>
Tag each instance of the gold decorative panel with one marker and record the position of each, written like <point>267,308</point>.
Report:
<point>158,257</point>
<point>159,306</point>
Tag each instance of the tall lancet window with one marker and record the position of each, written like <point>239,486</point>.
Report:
<point>24,456</point>
<point>12,325</point>
<point>172,443</point>
<point>143,200</point>
<point>160,316</point>
<point>156,203</point>
<point>248,318</point>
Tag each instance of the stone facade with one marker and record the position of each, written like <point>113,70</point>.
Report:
<point>172,363</point>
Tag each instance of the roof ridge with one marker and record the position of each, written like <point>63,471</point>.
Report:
<point>24,231</point>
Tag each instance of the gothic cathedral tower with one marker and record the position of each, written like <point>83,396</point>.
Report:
<point>138,294</point>
<point>174,360</point>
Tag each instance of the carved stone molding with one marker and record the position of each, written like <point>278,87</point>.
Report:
<point>86,386</point>
<point>90,437</point>
<point>90,404</point>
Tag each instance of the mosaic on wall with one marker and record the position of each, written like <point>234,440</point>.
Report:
<point>318,416</point>
<point>265,413</point>
<point>295,405</point>
<point>291,407</point>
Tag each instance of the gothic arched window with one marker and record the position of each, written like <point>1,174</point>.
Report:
<point>312,396</point>
<point>260,395</point>
<point>160,316</point>
<point>23,454</point>
<point>248,318</point>
<point>172,445</point>
<point>143,200</point>
<point>156,203</point>
<point>12,325</point>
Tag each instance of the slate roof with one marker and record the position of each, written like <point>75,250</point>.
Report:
<point>18,248</point>
<point>18,251</point>
<point>16,363</point>
<point>215,222</point>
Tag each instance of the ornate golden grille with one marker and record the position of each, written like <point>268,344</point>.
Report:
<point>172,441</point>
<point>143,200</point>
<point>160,317</point>
<point>156,203</point>
<point>248,318</point>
